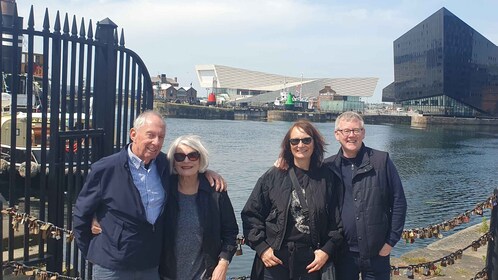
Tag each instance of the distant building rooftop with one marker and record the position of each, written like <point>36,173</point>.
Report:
<point>264,87</point>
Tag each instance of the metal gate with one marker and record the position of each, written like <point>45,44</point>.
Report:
<point>69,98</point>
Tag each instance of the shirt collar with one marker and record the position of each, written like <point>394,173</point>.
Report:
<point>135,160</point>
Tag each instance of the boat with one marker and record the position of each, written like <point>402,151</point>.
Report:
<point>21,150</point>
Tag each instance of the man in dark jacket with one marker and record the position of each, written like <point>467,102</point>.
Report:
<point>372,202</point>
<point>126,193</point>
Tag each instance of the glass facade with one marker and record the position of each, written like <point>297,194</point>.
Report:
<point>349,103</point>
<point>445,67</point>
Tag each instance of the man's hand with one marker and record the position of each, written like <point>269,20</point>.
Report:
<point>320,259</point>
<point>269,259</point>
<point>96,229</point>
<point>215,178</point>
<point>386,250</point>
<point>220,271</point>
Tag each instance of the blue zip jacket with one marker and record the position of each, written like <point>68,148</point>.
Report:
<point>128,241</point>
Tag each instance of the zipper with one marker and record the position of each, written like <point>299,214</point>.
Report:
<point>286,218</point>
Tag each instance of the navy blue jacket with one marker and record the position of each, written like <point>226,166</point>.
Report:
<point>379,200</point>
<point>218,222</point>
<point>128,240</point>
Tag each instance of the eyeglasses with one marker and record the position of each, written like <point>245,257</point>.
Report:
<point>347,132</point>
<point>193,156</point>
<point>295,141</point>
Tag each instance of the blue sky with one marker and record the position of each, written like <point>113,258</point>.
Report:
<point>323,39</point>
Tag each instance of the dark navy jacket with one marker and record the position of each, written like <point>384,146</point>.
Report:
<point>128,240</point>
<point>379,200</point>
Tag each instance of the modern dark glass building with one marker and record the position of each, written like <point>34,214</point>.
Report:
<point>443,66</point>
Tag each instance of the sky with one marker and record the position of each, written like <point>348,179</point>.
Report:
<point>314,39</point>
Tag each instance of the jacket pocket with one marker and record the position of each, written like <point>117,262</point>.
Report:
<point>116,236</point>
<point>130,241</point>
<point>272,216</point>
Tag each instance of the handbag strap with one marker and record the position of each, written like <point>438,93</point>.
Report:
<point>299,190</point>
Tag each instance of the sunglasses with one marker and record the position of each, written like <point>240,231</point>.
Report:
<point>193,156</point>
<point>295,141</point>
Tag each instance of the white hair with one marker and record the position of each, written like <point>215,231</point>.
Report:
<point>194,142</point>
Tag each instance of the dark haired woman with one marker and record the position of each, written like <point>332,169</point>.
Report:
<point>292,219</point>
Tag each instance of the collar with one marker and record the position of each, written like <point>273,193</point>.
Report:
<point>135,160</point>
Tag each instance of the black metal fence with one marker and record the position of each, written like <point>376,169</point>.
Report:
<point>68,98</point>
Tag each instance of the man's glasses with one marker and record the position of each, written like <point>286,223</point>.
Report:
<point>347,132</point>
<point>193,156</point>
<point>295,141</point>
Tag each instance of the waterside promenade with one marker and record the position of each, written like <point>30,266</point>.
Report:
<point>464,268</point>
<point>173,110</point>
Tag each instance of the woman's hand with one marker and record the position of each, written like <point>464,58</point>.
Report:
<point>216,179</point>
<point>220,271</point>
<point>269,259</point>
<point>96,229</point>
<point>320,259</point>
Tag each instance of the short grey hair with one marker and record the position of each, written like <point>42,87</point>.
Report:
<point>194,142</point>
<point>140,120</point>
<point>348,116</point>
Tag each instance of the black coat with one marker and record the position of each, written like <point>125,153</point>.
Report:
<point>265,214</point>
<point>218,222</point>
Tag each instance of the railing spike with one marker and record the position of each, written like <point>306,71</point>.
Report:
<point>74,28</point>
<point>57,26</point>
<point>115,36</point>
<point>122,39</point>
<point>90,30</point>
<point>66,25</point>
<point>15,15</point>
<point>31,20</point>
<point>82,28</point>
<point>46,21</point>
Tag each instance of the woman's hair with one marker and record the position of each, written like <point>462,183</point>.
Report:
<point>194,142</point>
<point>287,159</point>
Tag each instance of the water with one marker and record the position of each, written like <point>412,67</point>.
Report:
<point>445,170</point>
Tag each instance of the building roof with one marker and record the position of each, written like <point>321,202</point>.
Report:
<point>235,78</point>
<point>362,87</point>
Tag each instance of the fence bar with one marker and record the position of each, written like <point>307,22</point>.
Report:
<point>492,254</point>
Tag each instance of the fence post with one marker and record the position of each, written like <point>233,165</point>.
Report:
<point>492,254</point>
<point>104,100</point>
<point>1,234</point>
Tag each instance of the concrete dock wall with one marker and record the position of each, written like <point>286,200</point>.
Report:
<point>263,114</point>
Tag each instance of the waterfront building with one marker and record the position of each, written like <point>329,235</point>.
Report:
<point>258,88</point>
<point>442,66</point>
<point>168,89</point>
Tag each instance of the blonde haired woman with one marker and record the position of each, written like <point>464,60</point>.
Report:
<point>200,238</point>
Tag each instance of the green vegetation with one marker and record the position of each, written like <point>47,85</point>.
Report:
<point>414,260</point>
<point>484,228</point>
